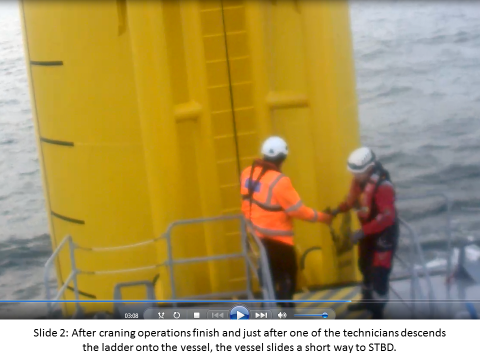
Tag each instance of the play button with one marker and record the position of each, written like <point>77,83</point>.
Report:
<point>239,313</point>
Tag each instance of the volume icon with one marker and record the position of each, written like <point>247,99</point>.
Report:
<point>282,315</point>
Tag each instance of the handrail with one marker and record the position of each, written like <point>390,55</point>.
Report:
<point>71,277</point>
<point>415,245</point>
<point>48,265</point>
<point>413,274</point>
<point>265,266</point>
<point>244,223</point>
<point>448,203</point>
<point>448,228</point>
<point>246,229</point>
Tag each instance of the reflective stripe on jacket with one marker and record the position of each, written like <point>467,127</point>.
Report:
<point>272,204</point>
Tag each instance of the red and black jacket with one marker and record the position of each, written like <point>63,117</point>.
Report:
<point>376,202</point>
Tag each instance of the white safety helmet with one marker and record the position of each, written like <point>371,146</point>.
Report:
<point>361,160</point>
<point>274,146</point>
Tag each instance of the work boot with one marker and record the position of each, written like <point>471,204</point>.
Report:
<point>377,307</point>
<point>377,314</point>
<point>366,295</point>
<point>377,310</point>
<point>357,306</point>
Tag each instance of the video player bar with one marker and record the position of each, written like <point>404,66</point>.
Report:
<point>238,313</point>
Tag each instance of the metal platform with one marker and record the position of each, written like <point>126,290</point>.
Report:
<point>341,293</point>
<point>402,308</point>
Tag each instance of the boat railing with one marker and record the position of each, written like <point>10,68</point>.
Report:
<point>448,219</point>
<point>246,232</point>
<point>72,277</point>
<point>416,252</point>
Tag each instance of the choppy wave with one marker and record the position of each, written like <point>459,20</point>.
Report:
<point>459,37</point>
<point>21,253</point>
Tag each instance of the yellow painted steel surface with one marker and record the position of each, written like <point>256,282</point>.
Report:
<point>146,111</point>
<point>337,296</point>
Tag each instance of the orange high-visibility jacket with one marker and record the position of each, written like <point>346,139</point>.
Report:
<point>273,205</point>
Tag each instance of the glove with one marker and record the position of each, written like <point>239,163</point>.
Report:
<point>356,237</point>
<point>333,212</point>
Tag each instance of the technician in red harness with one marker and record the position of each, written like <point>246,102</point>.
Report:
<point>373,192</point>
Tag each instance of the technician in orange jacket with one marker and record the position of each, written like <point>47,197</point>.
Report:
<point>373,193</point>
<point>270,202</point>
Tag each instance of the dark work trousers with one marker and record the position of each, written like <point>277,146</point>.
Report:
<point>375,261</point>
<point>283,267</point>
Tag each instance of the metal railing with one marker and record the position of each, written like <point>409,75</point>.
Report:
<point>448,226</point>
<point>415,248</point>
<point>72,277</point>
<point>246,231</point>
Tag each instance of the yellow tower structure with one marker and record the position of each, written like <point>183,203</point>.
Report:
<point>146,111</point>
